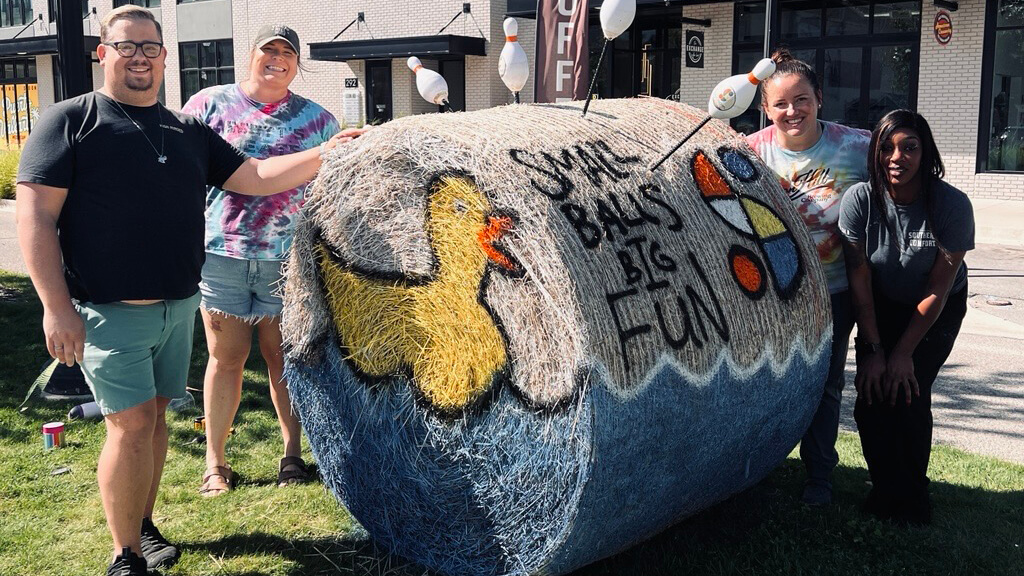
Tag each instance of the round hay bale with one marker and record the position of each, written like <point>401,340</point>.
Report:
<point>515,350</point>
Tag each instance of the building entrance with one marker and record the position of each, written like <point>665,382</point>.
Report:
<point>378,91</point>
<point>645,60</point>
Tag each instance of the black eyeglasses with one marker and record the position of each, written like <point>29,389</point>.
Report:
<point>127,48</point>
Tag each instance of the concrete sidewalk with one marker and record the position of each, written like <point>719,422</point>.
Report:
<point>999,222</point>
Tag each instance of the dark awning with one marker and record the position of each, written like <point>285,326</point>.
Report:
<point>445,45</point>
<point>39,45</point>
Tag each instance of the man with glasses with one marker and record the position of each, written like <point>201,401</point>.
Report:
<point>111,192</point>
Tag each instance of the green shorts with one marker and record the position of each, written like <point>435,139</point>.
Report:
<point>134,353</point>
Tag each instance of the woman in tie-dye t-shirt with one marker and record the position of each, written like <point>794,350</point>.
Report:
<point>815,161</point>
<point>247,239</point>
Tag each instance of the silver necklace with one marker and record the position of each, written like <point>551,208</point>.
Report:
<point>160,157</point>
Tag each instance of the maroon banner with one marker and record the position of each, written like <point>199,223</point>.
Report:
<point>563,65</point>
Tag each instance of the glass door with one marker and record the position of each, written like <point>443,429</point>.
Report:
<point>646,60</point>
<point>378,91</point>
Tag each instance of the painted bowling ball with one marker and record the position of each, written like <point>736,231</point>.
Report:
<point>517,350</point>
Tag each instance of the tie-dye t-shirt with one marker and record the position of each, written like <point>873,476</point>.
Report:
<point>815,180</point>
<point>254,227</point>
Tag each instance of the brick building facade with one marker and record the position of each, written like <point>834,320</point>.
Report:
<point>971,91</point>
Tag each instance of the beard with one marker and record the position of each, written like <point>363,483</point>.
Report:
<point>138,84</point>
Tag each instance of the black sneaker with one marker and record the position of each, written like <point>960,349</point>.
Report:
<point>127,563</point>
<point>158,552</point>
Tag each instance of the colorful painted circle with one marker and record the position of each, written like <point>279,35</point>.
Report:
<point>943,27</point>
<point>748,271</point>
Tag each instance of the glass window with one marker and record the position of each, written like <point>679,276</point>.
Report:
<point>891,68</point>
<point>862,75</point>
<point>18,70</point>
<point>749,22</point>
<point>750,121</point>
<point>189,84</point>
<point>1010,13</point>
<point>207,54</point>
<point>15,12</point>
<point>840,85</point>
<point>1006,125</point>
<point>190,55</point>
<point>205,64</point>
<point>808,55</point>
<point>142,3</point>
<point>896,17</point>
<point>847,17</point>
<point>225,54</point>
<point>800,19</point>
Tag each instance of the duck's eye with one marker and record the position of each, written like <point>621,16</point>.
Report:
<point>459,206</point>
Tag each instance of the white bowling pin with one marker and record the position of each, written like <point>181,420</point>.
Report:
<point>512,65</point>
<point>431,85</point>
<point>616,17</point>
<point>729,99</point>
<point>733,95</point>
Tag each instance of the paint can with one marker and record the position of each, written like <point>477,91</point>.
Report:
<point>53,435</point>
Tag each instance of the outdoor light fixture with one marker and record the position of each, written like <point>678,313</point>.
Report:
<point>948,5</point>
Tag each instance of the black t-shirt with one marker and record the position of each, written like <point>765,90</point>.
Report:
<point>131,227</point>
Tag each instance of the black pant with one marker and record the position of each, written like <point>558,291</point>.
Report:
<point>897,441</point>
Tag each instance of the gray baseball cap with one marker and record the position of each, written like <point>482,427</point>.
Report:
<point>268,33</point>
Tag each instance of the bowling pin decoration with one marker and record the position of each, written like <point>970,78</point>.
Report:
<point>512,65</point>
<point>729,99</point>
<point>431,85</point>
<point>616,17</point>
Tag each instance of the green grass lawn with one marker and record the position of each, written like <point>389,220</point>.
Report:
<point>54,525</point>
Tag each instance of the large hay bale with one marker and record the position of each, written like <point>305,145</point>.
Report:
<point>515,350</point>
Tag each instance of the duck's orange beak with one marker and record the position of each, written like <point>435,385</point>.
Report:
<point>489,238</point>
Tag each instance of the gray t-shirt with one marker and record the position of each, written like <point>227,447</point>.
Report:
<point>900,265</point>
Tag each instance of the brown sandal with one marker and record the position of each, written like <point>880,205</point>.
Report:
<point>297,472</point>
<point>218,480</point>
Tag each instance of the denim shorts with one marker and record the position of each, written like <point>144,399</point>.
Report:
<point>134,353</point>
<point>245,289</point>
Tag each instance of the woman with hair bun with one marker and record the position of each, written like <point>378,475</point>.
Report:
<point>816,162</point>
<point>905,233</point>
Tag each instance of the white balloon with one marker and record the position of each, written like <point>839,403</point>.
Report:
<point>431,85</point>
<point>616,17</point>
<point>513,67</point>
<point>733,95</point>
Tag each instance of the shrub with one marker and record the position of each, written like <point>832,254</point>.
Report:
<point>8,172</point>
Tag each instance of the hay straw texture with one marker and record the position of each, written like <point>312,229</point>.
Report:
<point>515,350</point>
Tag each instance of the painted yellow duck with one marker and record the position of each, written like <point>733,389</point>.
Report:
<point>438,328</point>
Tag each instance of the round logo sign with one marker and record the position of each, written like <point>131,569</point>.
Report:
<point>943,27</point>
<point>694,49</point>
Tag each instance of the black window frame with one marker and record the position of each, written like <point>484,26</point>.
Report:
<point>988,64</point>
<point>140,3</point>
<point>219,68</point>
<point>7,19</point>
<point>866,42</point>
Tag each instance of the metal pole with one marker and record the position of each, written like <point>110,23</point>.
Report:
<point>71,56</point>
<point>769,12</point>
